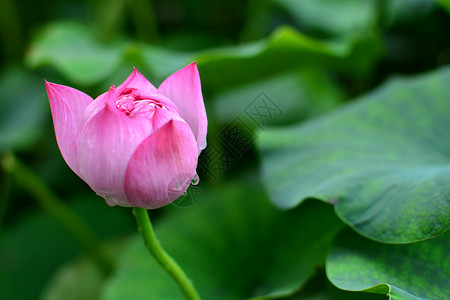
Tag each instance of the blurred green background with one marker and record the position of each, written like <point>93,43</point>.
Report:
<point>299,60</point>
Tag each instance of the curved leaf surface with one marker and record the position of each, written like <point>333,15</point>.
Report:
<point>413,271</point>
<point>233,245</point>
<point>384,161</point>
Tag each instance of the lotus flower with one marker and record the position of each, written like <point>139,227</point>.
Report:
<point>134,145</point>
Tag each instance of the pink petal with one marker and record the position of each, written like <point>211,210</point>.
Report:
<point>184,89</point>
<point>99,104</point>
<point>105,144</point>
<point>67,106</point>
<point>162,167</point>
<point>137,81</point>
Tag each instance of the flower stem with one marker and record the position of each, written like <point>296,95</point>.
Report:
<point>161,256</point>
<point>53,205</point>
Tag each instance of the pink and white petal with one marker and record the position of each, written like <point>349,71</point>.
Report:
<point>137,81</point>
<point>99,104</point>
<point>162,167</point>
<point>162,116</point>
<point>184,89</point>
<point>105,144</point>
<point>76,100</point>
<point>67,106</point>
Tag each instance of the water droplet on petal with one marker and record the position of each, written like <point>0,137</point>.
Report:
<point>195,180</point>
<point>111,200</point>
<point>203,145</point>
<point>178,185</point>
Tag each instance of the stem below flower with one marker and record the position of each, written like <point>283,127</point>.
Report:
<point>161,256</point>
<point>53,205</point>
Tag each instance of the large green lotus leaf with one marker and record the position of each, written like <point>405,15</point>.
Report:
<point>412,271</point>
<point>286,48</point>
<point>23,110</point>
<point>279,99</point>
<point>320,288</point>
<point>333,17</point>
<point>340,18</point>
<point>72,49</point>
<point>233,244</point>
<point>384,160</point>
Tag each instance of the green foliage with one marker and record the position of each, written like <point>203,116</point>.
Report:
<point>31,251</point>
<point>376,154</point>
<point>319,287</point>
<point>445,4</point>
<point>73,50</point>
<point>286,48</point>
<point>66,281</point>
<point>412,271</point>
<point>382,160</point>
<point>23,111</point>
<point>342,17</point>
<point>298,94</point>
<point>233,245</point>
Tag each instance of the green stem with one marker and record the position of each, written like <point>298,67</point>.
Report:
<point>161,256</point>
<point>45,196</point>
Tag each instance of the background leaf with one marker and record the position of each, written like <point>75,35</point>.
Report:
<point>23,109</point>
<point>67,280</point>
<point>286,48</point>
<point>297,94</point>
<point>320,288</point>
<point>236,235</point>
<point>51,245</point>
<point>338,17</point>
<point>74,51</point>
<point>384,160</point>
<point>414,271</point>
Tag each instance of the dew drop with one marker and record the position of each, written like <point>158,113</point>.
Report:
<point>111,201</point>
<point>185,193</point>
<point>195,180</point>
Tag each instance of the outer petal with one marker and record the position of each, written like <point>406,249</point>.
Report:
<point>99,104</point>
<point>162,167</point>
<point>138,81</point>
<point>184,89</point>
<point>67,105</point>
<point>105,144</point>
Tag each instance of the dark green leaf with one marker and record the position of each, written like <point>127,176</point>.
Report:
<point>233,245</point>
<point>80,280</point>
<point>279,99</point>
<point>342,17</point>
<point>384,160</point>
<point>286,48</point>
<point>31,251</point>
<point>413,271</point>
<point>320,288</point>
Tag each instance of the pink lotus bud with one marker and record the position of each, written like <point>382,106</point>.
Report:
<point>134,145</point>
